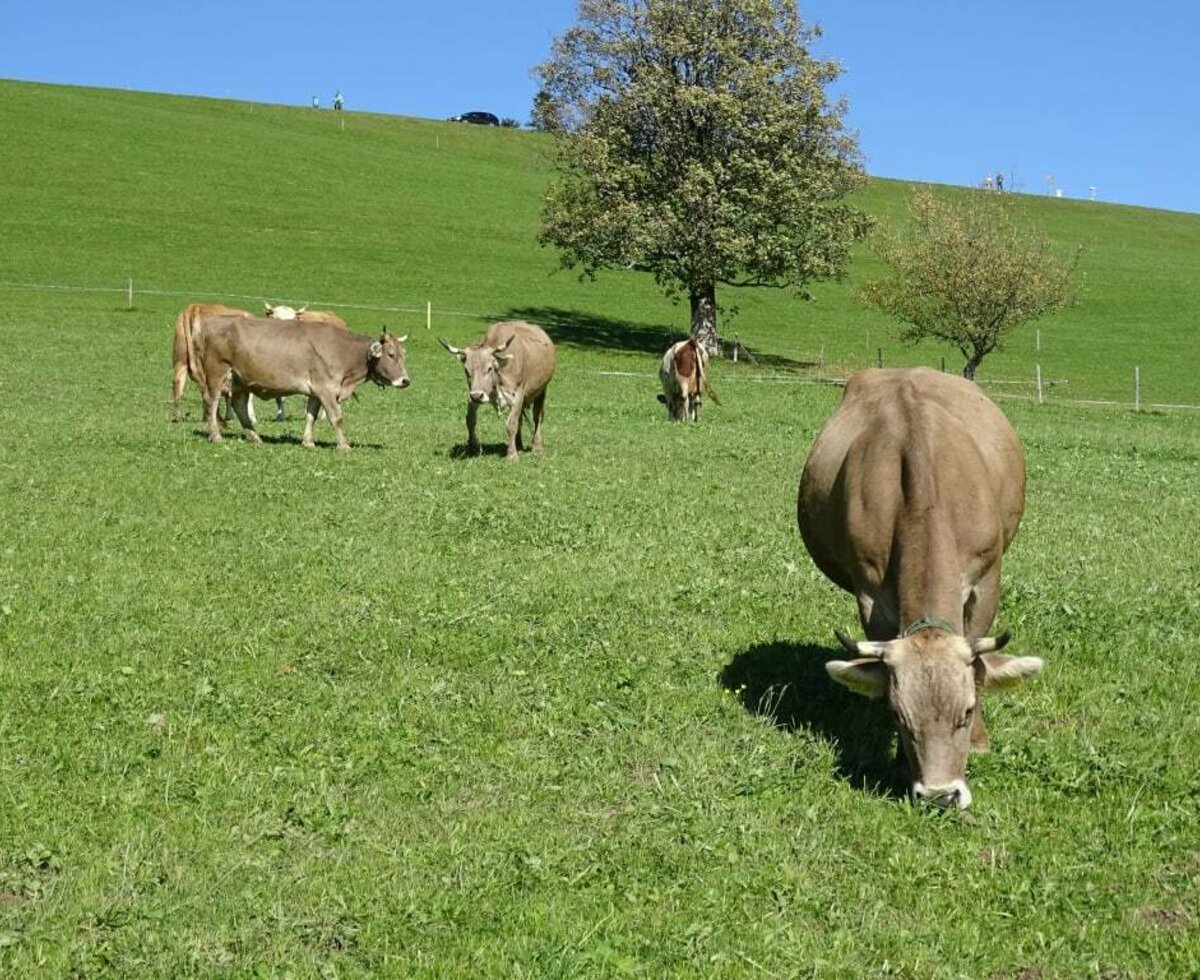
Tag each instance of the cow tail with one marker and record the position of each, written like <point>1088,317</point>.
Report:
<point>195,366</point>
<point>702,375</point>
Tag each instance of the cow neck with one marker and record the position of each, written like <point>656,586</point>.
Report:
<point>928,576</point>
<point>360,367</point>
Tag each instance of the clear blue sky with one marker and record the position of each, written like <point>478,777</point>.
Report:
<point>1095,94</point>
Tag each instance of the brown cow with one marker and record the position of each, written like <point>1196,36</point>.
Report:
<point>185,325</point>
<point>270,359</point>
<point>188,321</point>
<point>910,497</point>
<point>303,315</point>
<point>684,376</point>
<point>511,368</point>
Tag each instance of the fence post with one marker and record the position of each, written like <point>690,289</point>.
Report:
<point>1039,384</point>
<point>821,364</point>
<point>129,295</point>
<point>1137,389</point>
<point>1038,345</point>
<point>428,314</point>
<point>737,342</point>
<point>879,357</point>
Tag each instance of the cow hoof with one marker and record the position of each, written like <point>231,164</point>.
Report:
<point>254,438</point>
<point>309,444</point>
<point>512,457</point>
<point>216,437</point>
<point>343,449</point>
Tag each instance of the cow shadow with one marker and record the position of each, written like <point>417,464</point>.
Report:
<point>287,439</point>
<point>577,329</point>
<point>787,685</point>
<point>461,451</point>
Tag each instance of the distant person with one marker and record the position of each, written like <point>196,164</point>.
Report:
<point>987,182</point>
<point>1000,182</point>
<point>337,101</point>
<point>316,102</point>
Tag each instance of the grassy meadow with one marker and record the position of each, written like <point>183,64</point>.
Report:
<point>397,712</point>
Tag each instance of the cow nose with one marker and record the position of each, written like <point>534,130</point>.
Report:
<point>402,382</point>
<point>955,796</point>
<point>479,396</point>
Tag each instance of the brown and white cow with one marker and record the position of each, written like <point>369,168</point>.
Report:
<point>510,368</point>
<point>684,376</point>
<point>910,497</point>
<point>268,358</point>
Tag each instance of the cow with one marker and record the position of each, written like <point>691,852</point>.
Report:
<point>270,359</point>
<point>909,499</point>
<point>190,317</point>
<point>510,368</point>
<point>684,375</point>
<point>185,324</point>
<point>303,315</point>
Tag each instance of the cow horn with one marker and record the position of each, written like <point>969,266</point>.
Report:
<point>267,306</point>
<point>989,644</point>
<point>302,309</point>
<point>862,648</point>
<point>450,347</point>
<point>401,340</point>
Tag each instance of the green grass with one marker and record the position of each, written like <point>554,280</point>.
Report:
<point>400,713</point>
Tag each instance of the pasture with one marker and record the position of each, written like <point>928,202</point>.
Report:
<point>400,712</point>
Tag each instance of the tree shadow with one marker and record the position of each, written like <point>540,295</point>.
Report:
<point>576,329</point>
<point>787,685</point>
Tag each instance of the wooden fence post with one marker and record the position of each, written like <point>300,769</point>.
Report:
<point>1137,389</point>
<point>1039,384</point>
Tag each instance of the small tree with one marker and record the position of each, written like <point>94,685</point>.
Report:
<point>696,143</point>
<point>963,271</point>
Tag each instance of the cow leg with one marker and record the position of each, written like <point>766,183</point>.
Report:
<point>250,410</point>
<point>514,425</point>
<point>472,416</point>
<point>539,413</point>
<point>694,402</point>
<point>280,409</point>
<point>312,409</point>
<point>241,405</point>
<point>334,411</point>
<point>979,613</point>
<point>212,402</point>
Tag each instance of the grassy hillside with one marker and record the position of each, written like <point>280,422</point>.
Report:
<point>210,198</point>
<point>267,711</point>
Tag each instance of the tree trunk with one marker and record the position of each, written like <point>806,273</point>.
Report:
<point>704,317</point>
<point>971,365</point>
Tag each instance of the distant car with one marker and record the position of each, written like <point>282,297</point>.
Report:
<point>478,118</point>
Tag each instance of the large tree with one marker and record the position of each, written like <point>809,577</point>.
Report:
<point>966,270</point>
<point>697,143</point>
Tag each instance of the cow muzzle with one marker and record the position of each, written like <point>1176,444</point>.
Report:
<point>401,383</point>
<point>479,397</point>
<point>954,796</point>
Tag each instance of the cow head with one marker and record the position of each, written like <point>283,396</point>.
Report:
<point>932,679</point>
<point>482,366</point>
<point>385,361</point>
<point>281,312</point>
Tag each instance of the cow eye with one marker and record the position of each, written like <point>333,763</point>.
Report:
<point>966,718</point>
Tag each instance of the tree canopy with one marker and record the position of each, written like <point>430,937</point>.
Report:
<point>696,142</point>
<point>965,271</point>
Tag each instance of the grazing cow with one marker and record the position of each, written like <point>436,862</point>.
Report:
<point>684,375</point>
<point>270,359</point>
<point>510,367</point>
<point>910,497</point>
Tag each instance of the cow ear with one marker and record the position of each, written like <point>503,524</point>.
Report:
<point>502,357</point>
<point>376,349</point>
<point>867,676</point>
<point>993,670</point>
